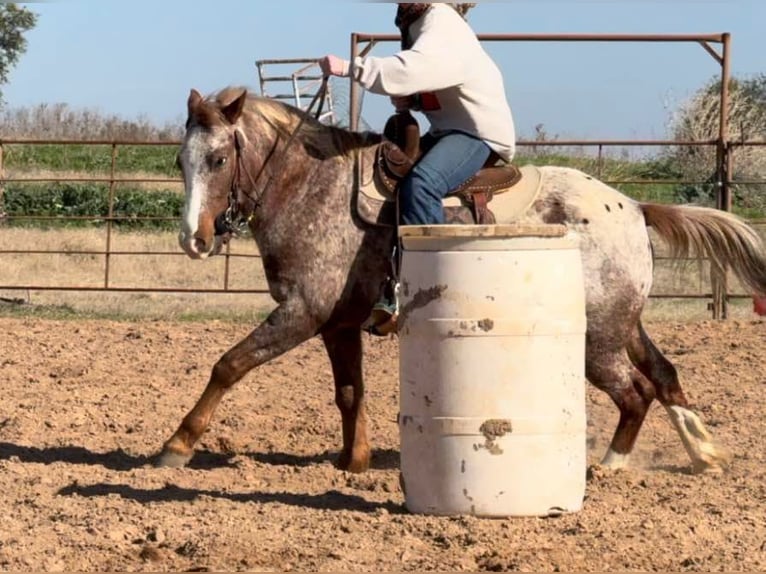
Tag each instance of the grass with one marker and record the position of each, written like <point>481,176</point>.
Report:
<point>158,160</point>
<point>251,309</point>
<point>62,175</point>
<point>610,168</point>
<point>132,309</point>
<point>692,311</point>
<point>86,267</point>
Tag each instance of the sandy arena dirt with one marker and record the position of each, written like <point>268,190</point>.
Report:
<point>86,404</point>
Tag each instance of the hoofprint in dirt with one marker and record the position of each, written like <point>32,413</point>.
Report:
<point>86,404</point>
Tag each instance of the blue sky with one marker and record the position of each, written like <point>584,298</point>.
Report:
<point>140,58</point>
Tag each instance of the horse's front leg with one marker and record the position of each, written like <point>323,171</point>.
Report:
<point>286,327</point>
<point>344,347</point>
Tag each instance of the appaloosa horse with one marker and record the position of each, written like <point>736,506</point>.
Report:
<point>294,181</point>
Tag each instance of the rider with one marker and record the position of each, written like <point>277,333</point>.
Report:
<point>443,72</point>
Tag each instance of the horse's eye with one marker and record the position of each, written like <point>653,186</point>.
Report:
<point>220,162</point>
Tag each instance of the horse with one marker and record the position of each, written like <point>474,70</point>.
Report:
<point>292,180</point>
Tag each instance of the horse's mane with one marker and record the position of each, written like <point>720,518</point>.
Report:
<point>318,138</point>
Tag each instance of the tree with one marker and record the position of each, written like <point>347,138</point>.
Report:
<point>15,21</point>
<point>698,119</point>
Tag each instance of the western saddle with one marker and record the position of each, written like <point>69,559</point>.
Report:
<point>400,151</point>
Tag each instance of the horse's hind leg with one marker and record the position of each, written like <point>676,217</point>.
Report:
<point>613,373</point>
<point>344,347</point>
<point>706,456</point>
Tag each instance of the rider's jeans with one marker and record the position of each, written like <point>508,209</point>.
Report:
<point>449,161</point>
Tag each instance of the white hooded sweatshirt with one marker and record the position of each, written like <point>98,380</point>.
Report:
<point>461,87</point>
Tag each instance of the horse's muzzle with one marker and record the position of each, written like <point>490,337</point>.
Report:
<point>195,248</point>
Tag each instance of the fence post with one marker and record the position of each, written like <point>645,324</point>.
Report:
<point>354,97</point>
<point>108,255</point>
<point>227,266</point>
<point>600,164</point>
<point>719,283</point>
<point>2,182</point>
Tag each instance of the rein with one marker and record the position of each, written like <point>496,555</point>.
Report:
<point>234,219</point>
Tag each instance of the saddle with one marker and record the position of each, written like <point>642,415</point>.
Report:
<point>400,150</point>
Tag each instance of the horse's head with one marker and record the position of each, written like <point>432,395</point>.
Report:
<point>208,159</point>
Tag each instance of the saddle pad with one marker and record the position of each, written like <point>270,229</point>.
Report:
<point>506,204</point>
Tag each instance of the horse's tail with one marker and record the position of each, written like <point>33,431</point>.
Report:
<point>723,238</point>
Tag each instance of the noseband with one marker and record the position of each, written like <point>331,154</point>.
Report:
<point>235,219</point>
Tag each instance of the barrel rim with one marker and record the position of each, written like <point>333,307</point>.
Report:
<point>499,231</point>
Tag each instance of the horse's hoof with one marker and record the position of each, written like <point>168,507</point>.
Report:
<point>170,459</point>
<point>714,459</point>
<point>705,467</point>
<point>358,467</point>
<point>349,464</point>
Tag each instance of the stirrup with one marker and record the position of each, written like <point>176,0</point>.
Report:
<point>383,318</point>
<point>386,328</point>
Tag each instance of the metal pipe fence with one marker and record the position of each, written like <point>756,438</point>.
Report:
<point>108,253</point>
<point>113,179</point>
<point>362,44</point>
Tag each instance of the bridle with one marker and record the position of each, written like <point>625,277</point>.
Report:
<point>234,220</point>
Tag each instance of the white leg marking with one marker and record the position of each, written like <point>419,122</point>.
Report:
<point>615,460</point>
<point>705,454</point>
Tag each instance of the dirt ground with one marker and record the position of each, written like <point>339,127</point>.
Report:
<point>86,404</point>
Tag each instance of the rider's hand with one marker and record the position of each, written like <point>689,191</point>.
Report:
<point>334,66</point>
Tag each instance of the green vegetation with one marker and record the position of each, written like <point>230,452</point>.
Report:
<point>152,160</point>
<point>614,170</point>
<point>71,199</point>
<point>698,119</point>
<point>24,202</point>
<point>660,172</point>
<point>65,312</point>
<point>15,21</point>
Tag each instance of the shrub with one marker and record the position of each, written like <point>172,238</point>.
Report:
<point>90,201</point>
<point>159,160</point>
<point>59,121</point>
<point>698,119</point>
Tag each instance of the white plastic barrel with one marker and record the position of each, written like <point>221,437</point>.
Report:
<point>492,359</point>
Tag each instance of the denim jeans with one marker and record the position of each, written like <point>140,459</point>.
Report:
<point>448,162</point>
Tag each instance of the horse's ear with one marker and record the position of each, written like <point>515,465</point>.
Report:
<point>195,98</point>
<point>233,110</point>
